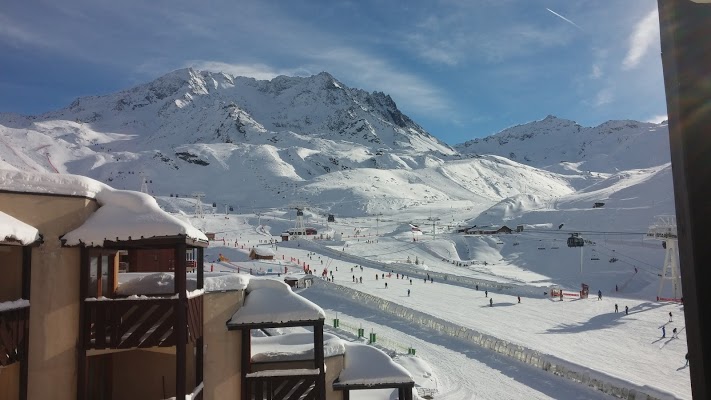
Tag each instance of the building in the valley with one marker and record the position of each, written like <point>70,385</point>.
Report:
<point>261,253</point>
<point>115,313</point>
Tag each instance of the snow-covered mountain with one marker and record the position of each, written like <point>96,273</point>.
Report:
<point>189,106</point>
<point>559,144</point>
<point>253,143</point>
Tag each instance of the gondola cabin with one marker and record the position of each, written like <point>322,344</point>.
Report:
<point>575,241</point>
<point>331,218</point>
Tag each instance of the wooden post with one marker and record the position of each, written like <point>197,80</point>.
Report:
<point>246,358</point>
<point>81,353</point>
<point>26,285</point>
<point>686,45</point>
<point>181,325</point>
<point>199,343</point>
<point>319,359</point>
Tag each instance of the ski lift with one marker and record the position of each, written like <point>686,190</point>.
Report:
<point>575,240</point>
<point>214,205</point>
<point>231,208</point>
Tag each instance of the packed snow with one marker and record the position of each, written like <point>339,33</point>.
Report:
<point>13,305</point>
<point>14,230</point>
<point>366,365</point>
<point>271,301</point>
<point>137,283</point>
<point>294,347</point>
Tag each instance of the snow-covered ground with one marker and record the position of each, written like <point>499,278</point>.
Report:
<point>583,332</point>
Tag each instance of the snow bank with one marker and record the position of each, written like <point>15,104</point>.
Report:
<point>163,283</point>
<point>11,305</point>
<point>123,214</point>
<point>294,347</point>
<point>273,301</point>
<point>12,228</point>
<point>366,365</point>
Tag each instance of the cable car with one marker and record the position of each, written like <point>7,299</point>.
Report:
<point>575,241</point>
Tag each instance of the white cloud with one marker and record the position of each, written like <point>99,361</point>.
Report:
<point>604,96</point>
<point>256,71</point>
<point>350,65</point>
<point>596,71</point>
<point>13,33</point>
<point>645,34</point>
<point>373,73</point>
<point>656,119</point>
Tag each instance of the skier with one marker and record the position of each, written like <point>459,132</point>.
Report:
<point>674,334</point>
<point>599,294</point>
<point>386,285</point>
<point>664,331</point>
<point>627,310</point>
<point>376,277</point>
<point>410,281</point>
<point>486,293</point>
<point>477,287</point>
<point>354,278</point>
<point>491,302</point>
<point>383,276</point>
<point>670,316</point>
<point>687,359</point>
<point>615,307</point>
<point>408,292</point>
<point>635,270</point>
<point>519,299</point>
<point>616,289</point>
<point>361,279</point>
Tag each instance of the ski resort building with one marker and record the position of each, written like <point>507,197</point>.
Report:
<point>488,230</point>
<point>72,326</point>
<point>261,253</point>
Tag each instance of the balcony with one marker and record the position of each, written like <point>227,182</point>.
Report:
<point>138,323</point>
<point>13,335</point>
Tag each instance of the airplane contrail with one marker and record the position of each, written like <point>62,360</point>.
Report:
<point>564,19</point>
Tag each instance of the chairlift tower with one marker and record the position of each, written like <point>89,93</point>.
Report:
<point>434,228</point>
<point>144,183</point>
<point>664,230</point>
<point>299,228</point>
<point>199,212</point>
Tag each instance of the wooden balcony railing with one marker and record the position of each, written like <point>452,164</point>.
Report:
<point>131,323</point>
<point>282,387</point>
<point>13,343</point>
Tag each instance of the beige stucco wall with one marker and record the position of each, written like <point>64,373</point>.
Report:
<point>11,273</point>
<point>142,374</point>
<point>223,350</point>
<point>10,382</point>
<point>54,310</point>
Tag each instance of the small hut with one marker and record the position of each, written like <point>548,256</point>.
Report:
<point>261,253</point>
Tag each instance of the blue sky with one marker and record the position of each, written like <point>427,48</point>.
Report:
<point>461,69</point>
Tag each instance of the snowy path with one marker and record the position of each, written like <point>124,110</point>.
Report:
<point>583,332</point>
<point>463,371</point>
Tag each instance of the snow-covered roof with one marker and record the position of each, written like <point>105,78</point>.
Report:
<point>367,365</point>
<point>12,229</point>
<point>263,251</point>
<point>272,301</point>
<point>163,282</point>
<point>294,347</point>
<point>44,183</point>
<point>123,213</point>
